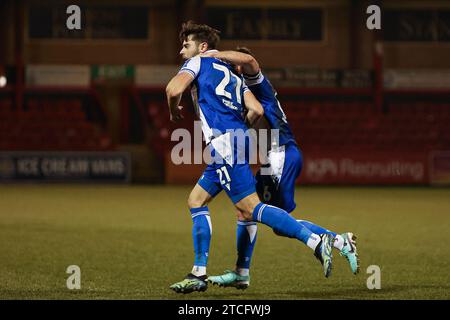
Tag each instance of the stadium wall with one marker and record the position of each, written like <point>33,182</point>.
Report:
<point>346,43</point>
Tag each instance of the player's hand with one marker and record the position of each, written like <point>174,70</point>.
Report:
<point>175,115</point>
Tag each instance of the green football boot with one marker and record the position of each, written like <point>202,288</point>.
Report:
<point>230,279</point>
<point>190,284</point>
<point>323,253</point>
<point>349,251</point>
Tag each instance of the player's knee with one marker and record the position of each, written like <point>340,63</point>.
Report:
<point>194,202</point>
<point>246,215</point>
<point>239,215</point>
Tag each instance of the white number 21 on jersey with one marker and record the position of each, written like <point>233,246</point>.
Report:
<point>225,182</point>
<point>220,89</point>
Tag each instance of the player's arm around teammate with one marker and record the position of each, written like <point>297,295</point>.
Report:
<point>242,60</point>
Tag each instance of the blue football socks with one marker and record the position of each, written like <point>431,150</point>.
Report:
<point>281,222</point>
<point>201,234</point>
<point>245,241</point>
<point>315,228</point>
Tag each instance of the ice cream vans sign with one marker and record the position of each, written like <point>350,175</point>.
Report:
<point>60,166</point>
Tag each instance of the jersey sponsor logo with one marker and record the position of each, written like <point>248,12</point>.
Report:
<point>229,104</point>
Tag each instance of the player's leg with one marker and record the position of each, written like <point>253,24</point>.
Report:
<point>344,242</point>
<point>289,161</point>
<point>203,192</point>
<point>276,182</point>
<point>246,234</point>
<point>238,182</point>
<point>278,219</point>
<point>284,224</point>
<point>201,227</point>
<point>293,163</point>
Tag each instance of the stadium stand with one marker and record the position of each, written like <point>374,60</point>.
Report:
<point>49,123</point>
<point>342,122</point>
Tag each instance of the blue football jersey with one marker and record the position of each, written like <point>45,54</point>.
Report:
<point>218,95</point>
<point>262,89</point>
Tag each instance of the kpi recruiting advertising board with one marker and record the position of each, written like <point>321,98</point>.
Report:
<point>350,168</point>
<point>365,168</point>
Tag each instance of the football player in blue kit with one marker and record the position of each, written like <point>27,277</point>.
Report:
<point>284,167</point>
<point>219,95</point>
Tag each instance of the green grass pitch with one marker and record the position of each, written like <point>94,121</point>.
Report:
<point>132,242</point>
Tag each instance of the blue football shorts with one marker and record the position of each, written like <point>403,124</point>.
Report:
<point>275,182</point>
<point>233,176</point>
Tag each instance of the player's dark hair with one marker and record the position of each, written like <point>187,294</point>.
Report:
<point>200,33</point>
<point>245,50</point>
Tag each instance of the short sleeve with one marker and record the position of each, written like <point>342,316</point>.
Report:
<point>192,66</point>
